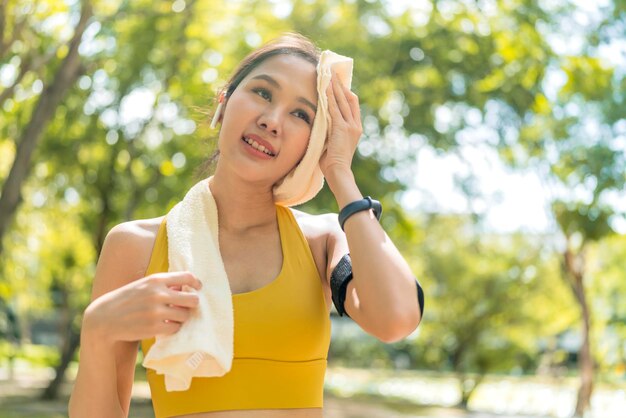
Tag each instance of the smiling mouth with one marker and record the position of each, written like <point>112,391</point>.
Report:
<point>257,146</point>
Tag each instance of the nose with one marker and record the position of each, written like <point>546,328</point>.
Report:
<point>269,120</point>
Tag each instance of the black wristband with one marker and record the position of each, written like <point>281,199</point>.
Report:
<point>359,205</point>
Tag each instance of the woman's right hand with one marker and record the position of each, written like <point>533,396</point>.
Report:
<point>155,305</point>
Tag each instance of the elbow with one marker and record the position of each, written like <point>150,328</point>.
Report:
<point>392,322</point>
<point>400,327</point>
<point>404,321</point>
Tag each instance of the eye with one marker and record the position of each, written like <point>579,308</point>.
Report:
<point>265,94</point>
<point>303,115</point>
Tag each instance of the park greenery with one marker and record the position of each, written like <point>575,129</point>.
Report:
<point>104,118</point>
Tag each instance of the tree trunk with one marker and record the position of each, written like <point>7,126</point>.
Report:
<point>574,271</point>
<point>468,387</point>
<point>585,362</point>
<point>69,348</point>
<point>456,359</point>
<point>586,372</point>
<point>50,98</point>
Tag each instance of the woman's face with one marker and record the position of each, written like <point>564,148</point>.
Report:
<point>268,118</point>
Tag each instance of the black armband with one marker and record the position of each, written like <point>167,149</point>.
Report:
<point>341,276</point>
<point>420,297</point>
<point>339,279</point>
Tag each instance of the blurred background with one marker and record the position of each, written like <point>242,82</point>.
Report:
<point>494,135</point>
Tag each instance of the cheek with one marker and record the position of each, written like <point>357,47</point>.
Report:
<point>238,109</point>
<point>296,143</point>
<point>303,143</point>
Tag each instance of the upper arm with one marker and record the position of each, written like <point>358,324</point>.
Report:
<point>336,248</point>
<point>124,258</point>
<point>381,300</point>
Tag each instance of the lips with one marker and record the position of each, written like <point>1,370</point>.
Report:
<point>263,145</point>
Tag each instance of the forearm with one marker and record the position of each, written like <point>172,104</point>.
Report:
<point>383,281</point>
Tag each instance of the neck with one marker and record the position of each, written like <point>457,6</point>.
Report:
<point>242,206</point>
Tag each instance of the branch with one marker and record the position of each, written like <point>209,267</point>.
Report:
<point>17,30</point>
<point>28,64</point>
<point>573,274</point>
<point>3,10</point>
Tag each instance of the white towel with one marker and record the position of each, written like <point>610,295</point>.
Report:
<point>203,346</point>
<point>306,179</point>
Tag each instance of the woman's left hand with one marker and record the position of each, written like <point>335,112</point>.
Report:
<point>346,129</point>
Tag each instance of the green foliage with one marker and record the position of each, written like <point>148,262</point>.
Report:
<point>590,223</point>
<point>588,77</point>
<point>488,294</point>
<point>364,351</point>
<point>35,355</point>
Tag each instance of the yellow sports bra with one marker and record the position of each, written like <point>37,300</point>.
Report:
<point>282,335</point>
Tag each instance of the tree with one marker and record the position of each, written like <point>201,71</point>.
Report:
<point>571,138</point>
<point>52,94</point>
<point>492,299</point>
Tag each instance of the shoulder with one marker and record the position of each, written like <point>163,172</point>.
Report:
<point>125,254</point>
<point>131,240</point>
<point>134,232</point>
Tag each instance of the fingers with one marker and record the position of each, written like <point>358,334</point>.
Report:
<point>342,101</point>
<point>178,279</point>
<point>168,328</point>
<point>177,314</point>
<point>354,105</point>
<point>183,299</point>
<point>176,288</point>
<point>333,108</point>
<point>167,318</point>
<point>171,317</point>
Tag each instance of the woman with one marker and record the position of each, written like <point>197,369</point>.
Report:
<point>268,109</point>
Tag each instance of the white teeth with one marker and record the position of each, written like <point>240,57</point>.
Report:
<point>258,146</point>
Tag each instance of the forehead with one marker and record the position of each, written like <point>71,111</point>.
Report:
<point>291,72</point>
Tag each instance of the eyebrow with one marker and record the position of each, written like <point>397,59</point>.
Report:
<point>274,83</point>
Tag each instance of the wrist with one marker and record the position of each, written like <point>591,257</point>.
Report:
<point>343,186</point>
<point>359,206</point>
<point>337,171</point>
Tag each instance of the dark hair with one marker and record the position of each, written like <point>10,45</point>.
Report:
<point>288,44</point>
